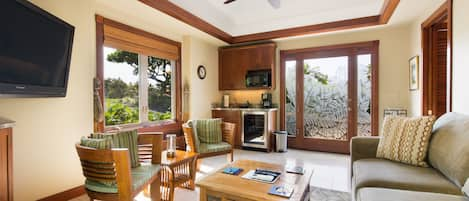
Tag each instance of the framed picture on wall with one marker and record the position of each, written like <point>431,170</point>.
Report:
<point>414,73</point>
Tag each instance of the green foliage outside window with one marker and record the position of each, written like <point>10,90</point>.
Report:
<point>122,98</point>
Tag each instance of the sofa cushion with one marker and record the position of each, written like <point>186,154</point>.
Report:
<point>389,174</point>
<point>140,176</point>
<point>405,139</point>
<point>209,130</point>
<point>383,194</point>
<point>449,147</point>
<point>210,148</point>
<point>123,140</point>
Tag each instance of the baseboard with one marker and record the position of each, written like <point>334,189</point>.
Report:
<point>66,195</point>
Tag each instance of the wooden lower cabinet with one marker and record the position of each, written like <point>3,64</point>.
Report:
<point>232,116</point>
<point>6,184</point>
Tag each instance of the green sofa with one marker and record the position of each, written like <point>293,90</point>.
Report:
<point>374,179</point>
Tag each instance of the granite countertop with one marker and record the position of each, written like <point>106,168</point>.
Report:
<point>245,109</point>
<point>6,123</point>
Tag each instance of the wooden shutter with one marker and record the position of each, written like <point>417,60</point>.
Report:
<point>127,38</point>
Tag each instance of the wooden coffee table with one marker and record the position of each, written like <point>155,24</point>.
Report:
<point>221,187</point>
<point>178,171</point>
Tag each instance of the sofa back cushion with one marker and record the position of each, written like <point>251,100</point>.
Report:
<point>449,147</point>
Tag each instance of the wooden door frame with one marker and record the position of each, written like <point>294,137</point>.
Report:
<point>444,11</point>
<point>353,49</point>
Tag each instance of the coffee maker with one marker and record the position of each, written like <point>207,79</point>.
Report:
<point>266,100</point>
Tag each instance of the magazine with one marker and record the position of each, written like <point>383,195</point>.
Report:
<point>266,176</point>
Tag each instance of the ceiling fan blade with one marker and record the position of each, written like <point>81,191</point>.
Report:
<point>275,3</point>
<point>229,1</point>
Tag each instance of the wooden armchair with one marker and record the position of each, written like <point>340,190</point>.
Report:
<point>111,169</point>
<point>208,150</point>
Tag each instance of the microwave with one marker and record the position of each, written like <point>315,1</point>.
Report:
<point>259,78</point>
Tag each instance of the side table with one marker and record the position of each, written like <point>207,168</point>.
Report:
<point>178,171</point>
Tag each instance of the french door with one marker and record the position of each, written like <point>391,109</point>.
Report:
<point>329,94</point>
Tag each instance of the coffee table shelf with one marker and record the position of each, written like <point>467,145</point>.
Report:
<point>178,171</point>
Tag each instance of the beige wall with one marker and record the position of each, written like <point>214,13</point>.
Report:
<point>202,93</point>
<point>393,56</point>
<point>460,56</point>
<point>45,160</point>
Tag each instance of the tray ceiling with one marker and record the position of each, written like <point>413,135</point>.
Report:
<point>244,17</point>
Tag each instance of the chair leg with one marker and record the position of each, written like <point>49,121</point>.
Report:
<point>155,189</point>
<point>229,157</point>
<point>198,164</point>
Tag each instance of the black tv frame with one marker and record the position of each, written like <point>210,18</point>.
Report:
<point>8,90</point>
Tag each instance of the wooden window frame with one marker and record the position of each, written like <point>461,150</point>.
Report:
<point>174,125</point>
<point>370,47</point>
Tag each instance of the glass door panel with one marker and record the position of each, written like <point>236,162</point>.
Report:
<point>364,94</point>
<point>290,96</point>
<point>326,98</point>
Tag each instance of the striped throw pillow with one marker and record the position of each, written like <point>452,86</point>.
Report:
<point>406,139</point>
<point>126,139</point>
<point>209,130</point>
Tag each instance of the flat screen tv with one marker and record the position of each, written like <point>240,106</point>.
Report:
<point>35,51</point>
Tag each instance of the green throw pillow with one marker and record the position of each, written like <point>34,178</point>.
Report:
<point>126,139</point>
<point>209,130</point>
<point>96,143</point>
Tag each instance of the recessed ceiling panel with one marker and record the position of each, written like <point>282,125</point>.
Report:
<point>253,16</point>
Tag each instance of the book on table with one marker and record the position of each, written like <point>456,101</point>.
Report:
<point>283,190</point>
<point>232,170</point>
<point>295,169</point>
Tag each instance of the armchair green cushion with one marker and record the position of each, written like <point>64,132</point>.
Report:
<point>96,143</point>
<point>208,130</point>
<point>210,148</point>
<point>140,175</point>
<point>123,140</point>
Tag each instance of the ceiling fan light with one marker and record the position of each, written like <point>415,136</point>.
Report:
<point>275,3</point>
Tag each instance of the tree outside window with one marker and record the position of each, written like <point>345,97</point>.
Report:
<point>130,91</point>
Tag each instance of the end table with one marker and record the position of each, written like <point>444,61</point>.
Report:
<point>178,171</point>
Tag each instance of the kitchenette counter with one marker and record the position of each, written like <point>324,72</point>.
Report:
<point>245,109</point>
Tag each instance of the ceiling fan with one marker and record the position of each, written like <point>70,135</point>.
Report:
<point>274,3</point>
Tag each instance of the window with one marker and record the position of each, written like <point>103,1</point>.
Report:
<point>137,88</point>
<point>140,74</point>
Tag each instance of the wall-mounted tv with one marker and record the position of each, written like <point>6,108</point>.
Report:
<point>35,51</point>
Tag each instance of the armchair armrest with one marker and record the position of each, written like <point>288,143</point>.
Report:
<point>363,147</point>
<point>228,132</point>
<point>150,144</point>
<point>191,144</point>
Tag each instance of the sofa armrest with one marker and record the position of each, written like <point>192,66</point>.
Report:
<point>363,147</point>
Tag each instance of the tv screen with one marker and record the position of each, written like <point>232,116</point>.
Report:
<point>35,51</point>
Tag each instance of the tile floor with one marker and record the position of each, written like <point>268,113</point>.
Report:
<point>330,170</point>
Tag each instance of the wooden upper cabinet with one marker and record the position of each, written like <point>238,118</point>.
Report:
<point>235,62</point>
<point>262,57</point>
